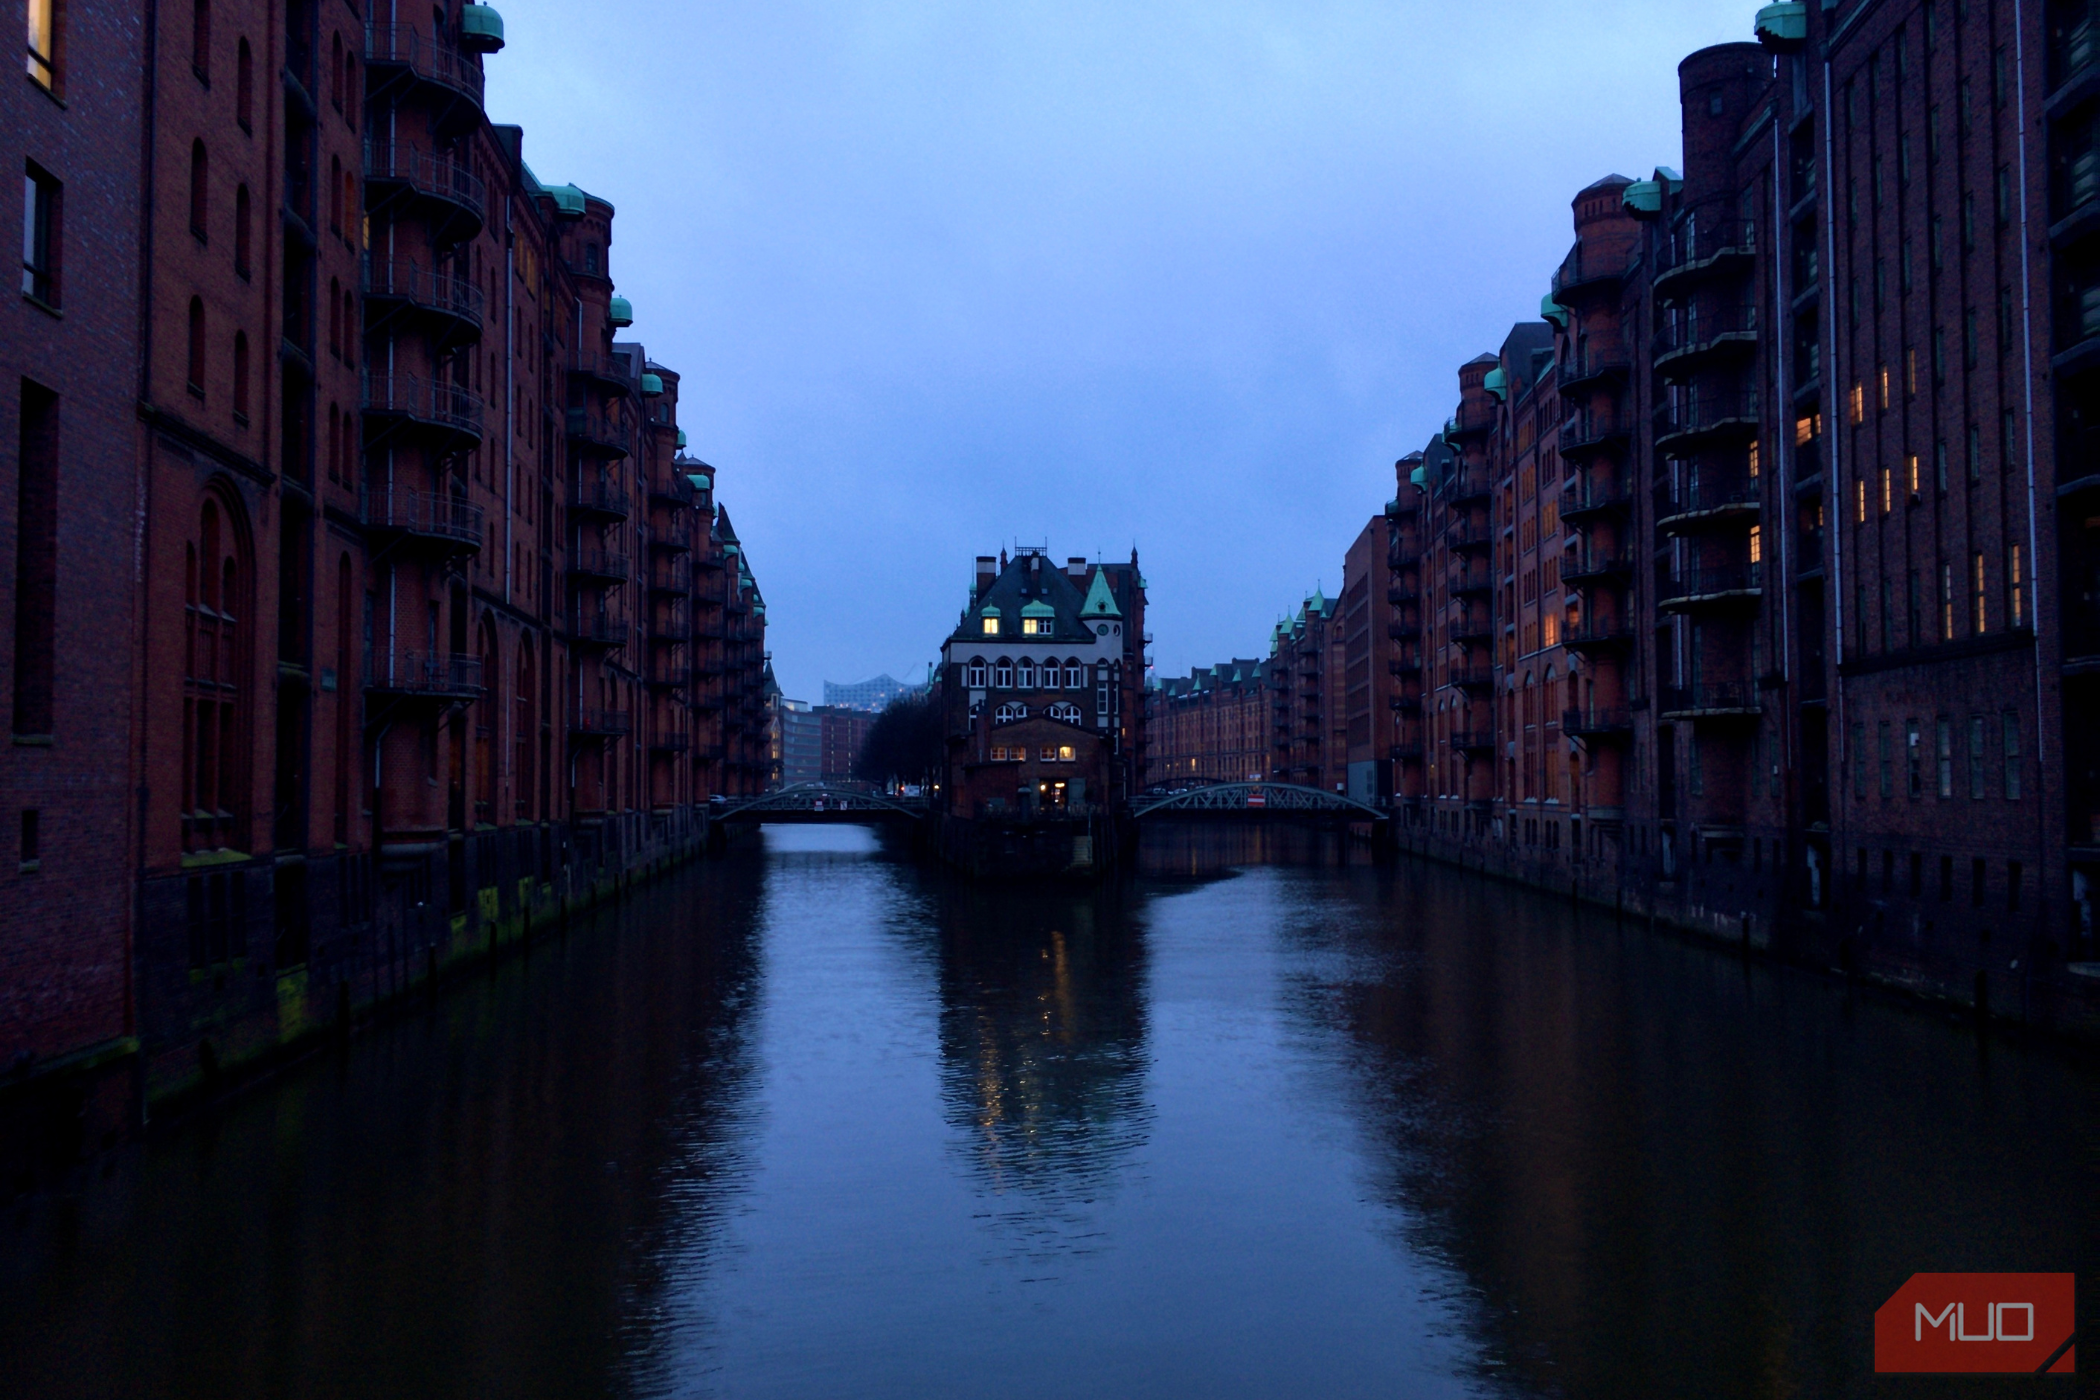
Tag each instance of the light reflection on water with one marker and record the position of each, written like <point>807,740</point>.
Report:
<point>1262,1118</point>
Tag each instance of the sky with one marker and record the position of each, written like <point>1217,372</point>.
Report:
<point>1180,275</point>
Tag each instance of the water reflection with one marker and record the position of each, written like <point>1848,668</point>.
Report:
<point>1042,1046</point>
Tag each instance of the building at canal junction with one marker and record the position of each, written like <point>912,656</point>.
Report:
<point>384,611</point>
<point>1042,681</point>
<point>1756,585</point>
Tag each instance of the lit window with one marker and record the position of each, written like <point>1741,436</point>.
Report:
<point>1884,386</point>
<point>1036,626</point>
<point>1048,754</point>
<point>998,753</point>
<point>2015,589</point>
<point>991,627</point>
<point>1910,469</point>
<point>1757,545</point>
<point>1064,753</point>
<point>1888,491</point>
<point>42,49</point>
<point>1977,621</point>
<point>1860,495</point>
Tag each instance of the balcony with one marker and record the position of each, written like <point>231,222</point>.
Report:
<point>606,373</point>
<point>1471,632</point>
<point>1692,339</point>
<point>668,675</point>
<point>600,566</point>
<point>1597,722</point>
<point>1705,498</point>
<point>1714,585</point>
<point>1598,363</point>
<point>433,517</point>
<point>421,674</point>
<point>596,434</point>
<point>1468,489</point>
<point>1407,665</point>
<point>1404,753</point>
<point>453,305</point>
<point>597,628</point>
<point>1469,537</point>
<point>443,410</point>
<point>1710,700</point>
<point>1590,431</point>
<point>1597,635</point>
<point>1470,422</point>
<point>1715,247</point>
<point>1478,676</point>
<point>1473,741</point>
<point>456,197</point>
<point>671,578</point>
<point>1683,427</point>
<point>396,54</point>
<point>1586,268</point>
<point>1472,583</point>
<point>598,499</point>
<point>674,489</point>
<point>1403,593</point>
<point>1593,496</point>
<point>1406,704</point>
<point>601,724</point>
<point>1586,570</point>
<point>671,743</point>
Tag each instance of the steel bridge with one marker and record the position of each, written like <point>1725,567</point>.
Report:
<point>819,803</point>
<point>1258,802</point>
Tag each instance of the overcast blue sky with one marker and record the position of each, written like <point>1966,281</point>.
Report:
<point>941,277</point>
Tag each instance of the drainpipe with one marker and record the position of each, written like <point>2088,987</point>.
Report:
<point>2034,592</point>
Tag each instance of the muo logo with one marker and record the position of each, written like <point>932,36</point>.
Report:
<point>1999,1323</point>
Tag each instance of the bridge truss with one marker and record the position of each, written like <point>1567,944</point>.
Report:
<point>1257,801</point>
<point>817,802</point>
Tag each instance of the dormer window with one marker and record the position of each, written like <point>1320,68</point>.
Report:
<point>991,625</point>
<point>1037,626</point>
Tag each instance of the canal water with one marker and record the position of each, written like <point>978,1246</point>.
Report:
<point>1262,1119</point>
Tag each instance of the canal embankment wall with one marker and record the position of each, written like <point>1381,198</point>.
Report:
<point>1997,963</point>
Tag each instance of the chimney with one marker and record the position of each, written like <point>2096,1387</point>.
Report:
<point>986,572</point>
<point>1076,567</point>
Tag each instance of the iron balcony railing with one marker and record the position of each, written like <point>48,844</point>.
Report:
<point>402,280</point>
<point>1702,327</point>
<point>1403,593</point>
<point>1706,413</point>
<point>1717,696</point>
<point>597,496</point>
<point>1472,582</point>
<point>423,400</point>
<point>609,371</point>
<point>1599,359</point>
<point>1700,242</point>
<point>1590,427</point>
<point>672,489</point>
<point>1698,491</point>
<point>1585,265</point>
<point>1712,581</point>
<point>404,671</point>
<point>434,514</point>
<point>601,431</point>
<point>1469,535</point>
<point>1472,740</point>
<point>598,628</point>
<point>1467,488</point>
<point>400,45</point>
<point>1479,674</point>
<point>1593,493</point>
<point>671,743</point>
<point>589,561</point>
<point>670,576</point>
<point>1591,566</point>
<point>1597,719</point>
<point>427,173</point>
<point>1597,632</point>
<point>602,723</point>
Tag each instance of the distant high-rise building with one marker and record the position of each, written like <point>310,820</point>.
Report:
<point>867,695</point>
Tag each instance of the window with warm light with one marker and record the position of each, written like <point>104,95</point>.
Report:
<point>1065,753</point>
<point>998,753</point>
<point>1036,626</point>
<point>1757,545</point>
<point>43,47</point>
<point>991,627</point>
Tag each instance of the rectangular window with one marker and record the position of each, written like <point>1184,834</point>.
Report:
<point>1859,759</point>
<point>1939,465</point>
<point>2011,731</point>
<point>1859,402</point>
<point>36,560</point>
<point>40,196</point>
<point>1887,756</point>
<point>1859,497</point>
<point>2004,195</point>
<point>1968,338</point>
<point>1946,602</point>
<point>998,753</point>
<point>2015,589</point>
<point>1910,473</point>
<point>1946,757</point>
<point>1977,621</point>
<point>1912,759</point>
<point>1976,757</point>
<point>1910,372</point>
<point>32,839</point>
<point>1884,387</point>
<point>1888,491</point>
<point>43,43</point>
<point>1975,463</point>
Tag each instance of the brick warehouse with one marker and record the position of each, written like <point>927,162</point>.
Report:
<point>435,628</point>
<point>1756,585</point>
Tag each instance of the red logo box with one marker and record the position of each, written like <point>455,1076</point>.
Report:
<point>1995,1323</point>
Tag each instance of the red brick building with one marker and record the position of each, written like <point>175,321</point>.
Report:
<point>1210,726</point>
<point>430,627</point>
<point>841,732</point>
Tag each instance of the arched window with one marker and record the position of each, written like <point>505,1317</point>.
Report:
<point>335,71</point>
<point>200,188</point>
<point>200,38</point>
<point>215,685</point>
<point>243,232</point>
<point>244,87</point>
<point>1024,674</point>
<point>196,358</point>
<point>1075,674</point>
<point>240,375</point>
<point>1002,674</point>
<point>350,83</point>
<point>1064,710</point>
<point>1009,712</point>
<point>974,676</point>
